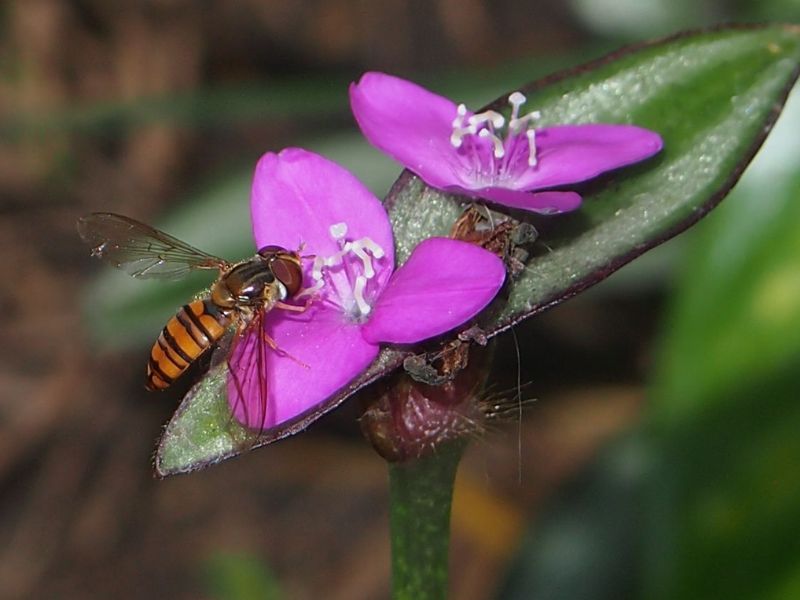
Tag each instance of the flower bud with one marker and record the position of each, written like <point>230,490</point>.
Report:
<point>412,419</point>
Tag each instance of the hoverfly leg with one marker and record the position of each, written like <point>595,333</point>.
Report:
<point>270,342</point>
<point>279,351</point>
<point>294,307</point>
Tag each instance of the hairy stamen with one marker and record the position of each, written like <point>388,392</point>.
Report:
<point>488,127</point>
<point>490,116</point>
<point>317,276</point>
<point>357,248</point>
<point>459,129</point>
<point>338,230</point>
<point>349,288</point>
<point>358,293</point>
<point>497,143</point>
<point>532,158</point>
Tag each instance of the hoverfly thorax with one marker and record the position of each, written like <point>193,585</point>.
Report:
<point>272,275</point>
<point>248,284</point>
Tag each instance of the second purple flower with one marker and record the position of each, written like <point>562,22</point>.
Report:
<point>505,160</point>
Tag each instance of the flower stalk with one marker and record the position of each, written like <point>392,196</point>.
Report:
<point>422,430</point>
<point>420,493</point>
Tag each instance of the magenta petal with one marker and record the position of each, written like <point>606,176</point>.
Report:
<point>332,352</point>
<point>410,124</point>
<point>573,153</point>
<point>297,195</point>
<point>443,284</point>
<point>548,203</point>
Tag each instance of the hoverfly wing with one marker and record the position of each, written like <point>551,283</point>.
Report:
<point>140,250</point>
<point>245,353</point>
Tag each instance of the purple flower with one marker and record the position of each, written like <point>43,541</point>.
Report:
<point>486,155</point>
<point>358,300</point>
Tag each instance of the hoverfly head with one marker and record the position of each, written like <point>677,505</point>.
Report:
<point>285,266</point>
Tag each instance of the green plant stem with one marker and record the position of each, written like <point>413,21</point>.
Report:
<point>421,493</point>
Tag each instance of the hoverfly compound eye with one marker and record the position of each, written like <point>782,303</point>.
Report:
<point>271,251</point>
<point>287,269</point>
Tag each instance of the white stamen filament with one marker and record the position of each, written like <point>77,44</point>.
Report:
<point>499,149</point>
<point>458,134</point>
<point>316,269</point>
<point>516,100</point>
<point>338,230</point>
<point>459,129</point>
<point>532,159</point>
<point>335,259</point>
<point>516,125</point>
<point>358,250</point>
<point>316,275</point>
<point>490,116</point>
<point>358,295</point>
<point>461,111</point>
<point>310,291</point>
<point>374,248</point>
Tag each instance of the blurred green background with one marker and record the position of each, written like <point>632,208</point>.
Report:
<point>658,461</point>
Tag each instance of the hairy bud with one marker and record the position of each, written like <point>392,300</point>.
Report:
<point>412,419</point>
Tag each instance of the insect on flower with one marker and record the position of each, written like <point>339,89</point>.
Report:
<point>242,295</point>
<point>293,330</point>
<point>363,297</point>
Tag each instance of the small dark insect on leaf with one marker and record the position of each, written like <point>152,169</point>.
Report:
<point>523,234</point>
<point>474,334</point>
<point>500,235</point>
<point>438,368</point>
<point>419,369</point>
<point>496,233</point>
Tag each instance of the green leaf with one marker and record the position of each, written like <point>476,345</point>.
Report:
<point>199,107</point>
<point>208,432</point>
<point>739,314</point>
<point>239,576</point>
<point>725,498</point>
<point>712,95</point>
<point>719,456</point>
<point>724,505</point>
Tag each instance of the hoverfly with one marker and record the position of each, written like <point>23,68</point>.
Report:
<point>234,307</point>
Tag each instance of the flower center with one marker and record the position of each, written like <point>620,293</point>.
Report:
<point>348,275</point>
<point>496,150</point>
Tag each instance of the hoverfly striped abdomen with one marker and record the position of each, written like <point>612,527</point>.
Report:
<point>197,327</point>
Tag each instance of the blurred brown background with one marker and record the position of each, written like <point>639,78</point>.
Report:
<point>127,107</point>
